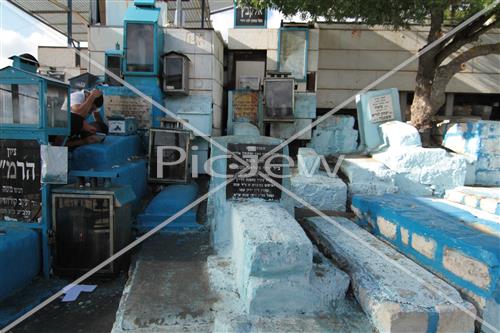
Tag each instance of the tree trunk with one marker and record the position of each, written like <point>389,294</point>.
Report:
<point>422,106</point>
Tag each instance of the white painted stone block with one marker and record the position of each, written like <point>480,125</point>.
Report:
<point>424,171</point>
<point>368,176</point>
<point>268,240</point>
<point>400,134</point>
<point>395,301</point>
<point>320,191</point>
<point>308,161</point>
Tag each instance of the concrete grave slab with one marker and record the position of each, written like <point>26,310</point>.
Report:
<point>273,264</point>
<point>478,141</point>
<point>449,246</point>
<point>321,191</point>
<point>368,176</point>
<point>483,198</point>
<point>394,301</point>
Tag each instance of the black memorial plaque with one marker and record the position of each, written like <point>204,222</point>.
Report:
<point>246,16</point>
<point>20,186</point>
<point>253,186</point>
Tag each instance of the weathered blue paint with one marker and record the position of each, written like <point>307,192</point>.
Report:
<point>115,158</point>
<point>114,150</point>
<point>432,322</point>
<point>166,204</point>
<point>370,134</point>
<point>20,258</point>
<point>23,74</point>
<point>305,105</point>
<point>447,231</point>
<point>491,226</point>
<point>477,139</point>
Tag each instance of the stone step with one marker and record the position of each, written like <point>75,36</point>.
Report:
<point>478,219</point>
<point>450,247</point>
<point>483,198</point>
<point>394,300</point>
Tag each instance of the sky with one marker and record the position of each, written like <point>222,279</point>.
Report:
<point>20,33</point>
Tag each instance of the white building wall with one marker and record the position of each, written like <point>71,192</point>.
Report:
<point>62,59</point>
<point>353,56</point>
<point>267,39</point>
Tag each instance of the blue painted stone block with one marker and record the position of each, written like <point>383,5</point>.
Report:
<point>335,135</point>
<point>20,258</point>
<point>453,249</point>
<point>167,203</point>
<point>478,140</point>
<point>114,150</point>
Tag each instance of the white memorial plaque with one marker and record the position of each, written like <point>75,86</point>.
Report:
<point>129,106</point>
<point>381,109</point>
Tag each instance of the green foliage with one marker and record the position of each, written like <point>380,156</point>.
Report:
<point>394,13</point>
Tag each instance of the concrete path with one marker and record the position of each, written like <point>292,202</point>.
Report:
<point>168,289</point>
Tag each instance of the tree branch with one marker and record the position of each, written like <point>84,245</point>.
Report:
<point>455,65</point>
<point>460,41</point>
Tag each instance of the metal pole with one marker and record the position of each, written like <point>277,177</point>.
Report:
<point>70,22</point>
<point>178,13</point>
<point>203,14</point>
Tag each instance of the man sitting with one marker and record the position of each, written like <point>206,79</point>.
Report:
<point>83,103</point>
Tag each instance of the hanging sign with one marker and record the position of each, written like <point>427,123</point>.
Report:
<point>246,16</point>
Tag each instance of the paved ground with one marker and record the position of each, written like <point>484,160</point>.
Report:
<point>90,313</point>
<point>169,286</point>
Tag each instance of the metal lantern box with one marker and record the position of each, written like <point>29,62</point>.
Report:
<point>168,155</point>
<point>114,64</point>
<point>176,73</point>
<point>90,225</point>
<point>279,99</point>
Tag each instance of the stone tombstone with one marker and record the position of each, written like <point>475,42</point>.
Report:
<point>254,188</point>
<point>373,109</point>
